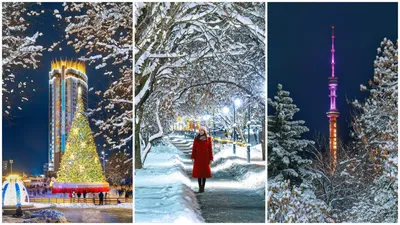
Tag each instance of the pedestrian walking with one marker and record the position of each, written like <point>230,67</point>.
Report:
<point>79,195</point>
<point>202,157</point>
<point>84,195</point>
<point>101,195</point>
<point>94,199</point>
<point>126,193</point>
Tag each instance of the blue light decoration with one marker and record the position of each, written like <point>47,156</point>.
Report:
<point>18,192</point>
<point>4,193</point>
<point>14,192</point>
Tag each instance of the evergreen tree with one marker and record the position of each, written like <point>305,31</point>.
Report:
<point>375,128</point>
<point>296,204</point>
<point>284,140</point>
<point>80,162</point>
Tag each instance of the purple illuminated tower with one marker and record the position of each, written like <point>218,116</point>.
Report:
<point>333,113</point>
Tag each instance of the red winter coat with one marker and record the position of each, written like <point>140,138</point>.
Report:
<point>202,155</point>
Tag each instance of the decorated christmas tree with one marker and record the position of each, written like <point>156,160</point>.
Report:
<point>80,162</point>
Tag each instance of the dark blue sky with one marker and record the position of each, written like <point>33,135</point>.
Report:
<point>25,136</point>
<point>299,43</point>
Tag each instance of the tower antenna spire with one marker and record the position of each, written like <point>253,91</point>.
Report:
<point>333,51</point>
<point>333,113</point>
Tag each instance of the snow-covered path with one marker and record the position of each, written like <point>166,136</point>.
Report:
<point>225,199</point>
<point>163,191</point>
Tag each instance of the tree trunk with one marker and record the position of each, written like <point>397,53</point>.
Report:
<point>138,159</point>
<point>263,139</point>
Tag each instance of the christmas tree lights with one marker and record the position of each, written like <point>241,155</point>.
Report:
<point>80,165</point>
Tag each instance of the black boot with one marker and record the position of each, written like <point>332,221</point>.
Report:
<point>203,184</point>
<point>200,185</point>
<point>201,189</point>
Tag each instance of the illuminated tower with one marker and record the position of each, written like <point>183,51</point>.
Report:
<point>333,113</point>
<point>64,79</point>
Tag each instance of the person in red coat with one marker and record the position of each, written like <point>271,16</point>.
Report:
<point>202,157</point>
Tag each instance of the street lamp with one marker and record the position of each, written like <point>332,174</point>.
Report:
<point>225,110</point>
<point>104,161</point>
<point>237,103</point>
<point>11,162</point>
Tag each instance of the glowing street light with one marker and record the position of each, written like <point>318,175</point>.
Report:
<point>104,161</point>
<point>238,102</point>
<point>225,110</point>
<point>11,162</point>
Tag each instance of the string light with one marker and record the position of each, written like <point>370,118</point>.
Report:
<point>77,164</point>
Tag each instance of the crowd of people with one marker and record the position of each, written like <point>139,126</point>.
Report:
<point>116,191</point>
<point>37,190</point>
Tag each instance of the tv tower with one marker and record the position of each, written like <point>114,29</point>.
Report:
<point>333,113</point>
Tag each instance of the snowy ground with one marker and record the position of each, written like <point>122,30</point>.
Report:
<point>236,192</point>
<point>163,190</point>
<point>87,213</point>
<point>251,175</point>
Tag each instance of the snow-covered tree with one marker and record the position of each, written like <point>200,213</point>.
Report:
<point>334,186</point>
<point>375,127</point>
<point>193,53</point>
<point>295,204</point>
<point>102,33</point>
<point>285,145</point>
<point>119,167</point>
<point>19,51</point>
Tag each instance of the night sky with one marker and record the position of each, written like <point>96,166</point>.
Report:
<point>299,44</point>
<point>25,136</point>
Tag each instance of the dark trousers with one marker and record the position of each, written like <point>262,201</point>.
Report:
<point>101,201</point>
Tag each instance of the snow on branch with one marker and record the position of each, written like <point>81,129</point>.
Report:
<point>104,32</point>
<point>19,50</point>
<point>154,136</point>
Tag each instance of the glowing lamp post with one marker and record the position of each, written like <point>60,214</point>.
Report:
<point>11,162</point>
<point>225,110</point>
<point>104,161</point>
<point>237,103</point>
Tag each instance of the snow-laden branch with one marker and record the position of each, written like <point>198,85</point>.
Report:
<point>154,136</point>
<point>103,31</point>
<point>19,50</point>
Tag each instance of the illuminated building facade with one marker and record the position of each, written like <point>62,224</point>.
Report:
<point>65,78</point>
<point>333,113</point>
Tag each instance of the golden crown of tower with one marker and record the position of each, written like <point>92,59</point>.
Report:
<point>77,65</point>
